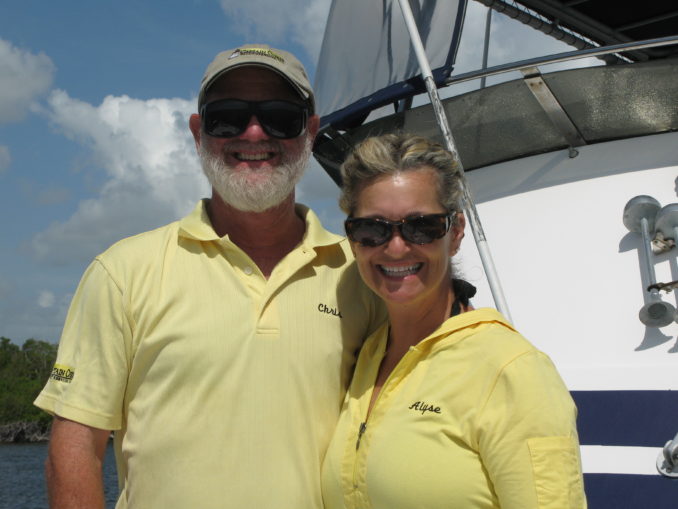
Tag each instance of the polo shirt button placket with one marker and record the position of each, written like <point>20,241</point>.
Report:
<point>248,270</point>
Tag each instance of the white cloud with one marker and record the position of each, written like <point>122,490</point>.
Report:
<point>152,173</point>
<point>24,76</point>
<point>275,22</point>
<point>46,299</point>
<point>5,158</point>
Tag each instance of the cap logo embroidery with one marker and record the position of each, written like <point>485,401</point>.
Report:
<point>257,51</point>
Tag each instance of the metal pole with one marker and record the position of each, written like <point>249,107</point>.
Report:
<point>486,45</point>
<point>647,247</point>
<point>471,212</point>
<point>562,57</point>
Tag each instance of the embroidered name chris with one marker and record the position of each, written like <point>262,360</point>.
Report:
<point>424,407</point>
<point>324,308</point>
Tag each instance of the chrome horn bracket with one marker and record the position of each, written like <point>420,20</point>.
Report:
<point>667,461</point>
<point>640,214</point>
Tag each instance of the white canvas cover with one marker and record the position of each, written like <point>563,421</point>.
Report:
<point>366,50</point>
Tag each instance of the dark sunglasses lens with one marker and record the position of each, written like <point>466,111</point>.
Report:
<point>226,119</point>
<point>282,119</point>
<point>229,117</point>
<point>424,229</point>
<point>368,232</point>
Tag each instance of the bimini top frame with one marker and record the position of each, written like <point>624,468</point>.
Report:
<point>602,103</point>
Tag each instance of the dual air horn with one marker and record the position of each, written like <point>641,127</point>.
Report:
<point>643,214</point>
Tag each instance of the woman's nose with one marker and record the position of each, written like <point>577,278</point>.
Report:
<point>396,245</point>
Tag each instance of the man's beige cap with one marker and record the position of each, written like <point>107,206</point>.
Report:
<point>259,55</point>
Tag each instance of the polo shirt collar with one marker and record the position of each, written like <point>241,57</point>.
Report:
<point>316,235</point>
<point>197,226</point>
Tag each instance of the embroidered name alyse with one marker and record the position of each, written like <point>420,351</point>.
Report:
<point>424,407</point>
<point>62,373</point>
<point>324,308</point>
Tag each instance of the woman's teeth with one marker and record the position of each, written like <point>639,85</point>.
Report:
<point>402,270</point>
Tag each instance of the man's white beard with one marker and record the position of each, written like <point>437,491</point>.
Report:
<point>242,192</point>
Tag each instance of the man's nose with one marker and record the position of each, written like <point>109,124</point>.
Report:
<point>253,131</point>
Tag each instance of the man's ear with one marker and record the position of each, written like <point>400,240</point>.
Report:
<point>194,125</point>
<point>313,125</point>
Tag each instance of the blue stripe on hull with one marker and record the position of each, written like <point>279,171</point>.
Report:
<point>608,491</point>
<point>631,418</point>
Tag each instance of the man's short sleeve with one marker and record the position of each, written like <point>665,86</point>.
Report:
<point>87,384</point>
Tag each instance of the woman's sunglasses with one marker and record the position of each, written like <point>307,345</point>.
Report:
<point>372,232</point>
<point>227,118</point>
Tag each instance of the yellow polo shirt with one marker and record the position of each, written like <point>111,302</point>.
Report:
<point>472,417</point>
<point>223,387</point>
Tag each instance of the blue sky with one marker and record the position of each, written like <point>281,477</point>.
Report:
<point>94,144</point>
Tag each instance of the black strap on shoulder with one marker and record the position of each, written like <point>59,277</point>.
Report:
<point>463,291</point>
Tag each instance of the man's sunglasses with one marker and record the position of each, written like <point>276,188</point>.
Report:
<point>372,232</point>
<point>228,118</point>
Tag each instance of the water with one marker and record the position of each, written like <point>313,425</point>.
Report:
<point>22,479</point>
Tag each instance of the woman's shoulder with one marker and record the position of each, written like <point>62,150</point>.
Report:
<point>488,332</point>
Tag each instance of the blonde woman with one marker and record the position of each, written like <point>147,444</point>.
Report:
<point>449,407</point>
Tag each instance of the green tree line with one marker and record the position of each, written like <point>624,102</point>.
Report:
<point>23,372</point>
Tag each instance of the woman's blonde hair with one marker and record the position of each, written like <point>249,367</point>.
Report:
<point>391,154</point>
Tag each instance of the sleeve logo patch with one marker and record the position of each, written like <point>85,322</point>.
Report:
<point>62,373</point>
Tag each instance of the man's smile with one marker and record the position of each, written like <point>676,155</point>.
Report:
<point>261,156</point>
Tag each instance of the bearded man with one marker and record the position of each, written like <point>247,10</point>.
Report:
<point>216,348</point>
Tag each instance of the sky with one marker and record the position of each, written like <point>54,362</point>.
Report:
<point>95,97</point>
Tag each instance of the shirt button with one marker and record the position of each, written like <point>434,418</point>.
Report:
<point>247,270</point>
